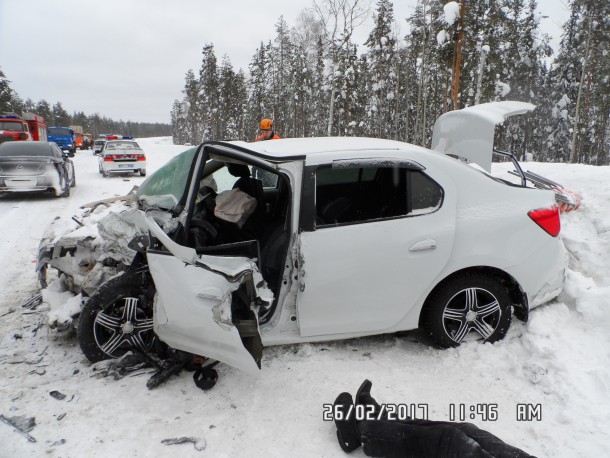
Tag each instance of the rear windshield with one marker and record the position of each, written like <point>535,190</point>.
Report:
<point>122,145</point>
<point>27,149</point>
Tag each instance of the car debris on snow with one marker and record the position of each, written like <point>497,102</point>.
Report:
<point>198,443</point>
<point>22,424</point>
<point>57,395</point>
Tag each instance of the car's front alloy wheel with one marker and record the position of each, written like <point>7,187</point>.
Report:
<point>117,318</point>
<point>470,306</point>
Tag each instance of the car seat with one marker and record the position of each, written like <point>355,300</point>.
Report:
<point>253,187</point>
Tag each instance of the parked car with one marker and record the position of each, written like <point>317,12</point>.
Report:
<point>36,166</point>
<point>347,237</point>
<point>98,144</point>
<point>121,156</point>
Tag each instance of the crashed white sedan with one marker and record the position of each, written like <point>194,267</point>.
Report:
<point>234,246</point>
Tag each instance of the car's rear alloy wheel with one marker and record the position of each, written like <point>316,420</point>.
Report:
<point>117,318</point>
<point>471,306</point>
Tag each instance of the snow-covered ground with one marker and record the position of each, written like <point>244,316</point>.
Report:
<point>559,360</point>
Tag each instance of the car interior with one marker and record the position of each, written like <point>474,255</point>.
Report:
<point>264,235</point>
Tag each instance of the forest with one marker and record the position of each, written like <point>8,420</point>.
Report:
<point>312,79</point>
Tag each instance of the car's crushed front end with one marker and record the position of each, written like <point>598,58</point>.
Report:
<point>92,247</point>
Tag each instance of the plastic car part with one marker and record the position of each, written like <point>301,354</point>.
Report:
<point>206,377</point>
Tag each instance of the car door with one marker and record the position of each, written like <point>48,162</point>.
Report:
<point>208,304</point>
<point>193,311</point>
<point>368,256</point>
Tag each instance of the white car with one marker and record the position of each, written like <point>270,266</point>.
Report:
<point>98,144</point>
<point>33,166</point>
<point>313,239</point>
<point>121,156</point>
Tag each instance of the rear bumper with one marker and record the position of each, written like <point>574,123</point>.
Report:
<point>542,275</point>
<point>123,167</point>
<point>48,181</point>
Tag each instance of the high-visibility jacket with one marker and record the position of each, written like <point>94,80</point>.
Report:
<point>274,136</point>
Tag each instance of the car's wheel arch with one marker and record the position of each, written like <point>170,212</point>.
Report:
<point>515,291</point>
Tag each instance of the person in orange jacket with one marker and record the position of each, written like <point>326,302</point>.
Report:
<point>267,133</point>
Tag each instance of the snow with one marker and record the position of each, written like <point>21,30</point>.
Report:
<point>452,12</point>
<point>442,37</point>
<point>559,359</point>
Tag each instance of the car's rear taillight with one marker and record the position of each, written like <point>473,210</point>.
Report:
<point>547,219</point>
<point>108,158</point>
<point>141,157</point>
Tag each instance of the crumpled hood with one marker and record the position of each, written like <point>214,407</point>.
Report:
<point>92,246</point>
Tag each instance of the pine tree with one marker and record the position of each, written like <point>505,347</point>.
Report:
<point>208,112</point>
<point>382,67</point>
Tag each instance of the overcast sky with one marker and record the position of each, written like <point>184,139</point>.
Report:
<point>126,59</point>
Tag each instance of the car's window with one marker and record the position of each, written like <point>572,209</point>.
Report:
<point>26,149</point>
<point>268,179</point>
<point>8,125</point>
<point>426,194</point>
<point>221,180</point>
<point>56,151</point>
<point>355,194</point>
<point>166,187</point>
<point>57,131</point>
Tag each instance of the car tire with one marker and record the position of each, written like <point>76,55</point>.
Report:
<point>142,173</point>
<point>104,173</point>
<point>73,183</point>
<point>467,304</point>
<point>117,318</point>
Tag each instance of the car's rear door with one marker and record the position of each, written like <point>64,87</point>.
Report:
<point>377,241</point>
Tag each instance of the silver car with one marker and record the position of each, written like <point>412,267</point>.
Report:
<point>36,166</point>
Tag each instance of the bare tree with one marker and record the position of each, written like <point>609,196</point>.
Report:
<point>340,18</point>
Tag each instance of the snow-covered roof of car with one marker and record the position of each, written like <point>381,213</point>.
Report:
<point>300,148</point>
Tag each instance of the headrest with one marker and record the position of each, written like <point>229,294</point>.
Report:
<point>239,170</point>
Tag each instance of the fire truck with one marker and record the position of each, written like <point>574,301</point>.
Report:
<point>29,127</point>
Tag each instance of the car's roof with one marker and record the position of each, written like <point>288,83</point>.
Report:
<point>20,147</point>
<point>305,148</point>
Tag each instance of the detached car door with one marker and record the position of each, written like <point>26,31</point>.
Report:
<point>373,239</point>
<point>193,310</point>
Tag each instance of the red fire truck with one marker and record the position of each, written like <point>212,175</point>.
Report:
<point>29,127</point>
